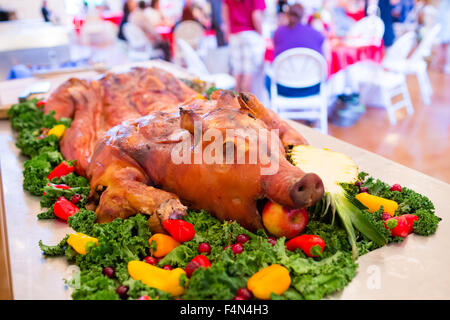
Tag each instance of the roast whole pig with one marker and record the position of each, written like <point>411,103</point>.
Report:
<point>134,168</point>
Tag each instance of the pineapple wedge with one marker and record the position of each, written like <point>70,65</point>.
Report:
<point>332,167</point>
<point>335,168</point>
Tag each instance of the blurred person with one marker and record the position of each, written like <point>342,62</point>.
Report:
<point>45,12</point>
<point>296,35</point>
<point>216,21</point>
<point>191,12</point>
<point>154,13</point>
<point>243,28</point>
<point>128,7</point>
<point>340,21</point>
<point>141,20</point>
<point>385,9</point>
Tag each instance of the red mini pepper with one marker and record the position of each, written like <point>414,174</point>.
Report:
<point>63,208</point>
<point>179,229</point>
<point>60,170</point>
<point>401,226</point>
<point>58,186</point>
<point>311,245</point>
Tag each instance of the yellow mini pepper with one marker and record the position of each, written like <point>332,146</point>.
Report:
<point>373,203</point>
<point>57,130</point>
<point>274,278</point>
<point>78,241</point>
<point>164,244</point>
<point>165,280</point>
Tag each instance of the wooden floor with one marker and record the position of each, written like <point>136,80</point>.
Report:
<point>420,141</point>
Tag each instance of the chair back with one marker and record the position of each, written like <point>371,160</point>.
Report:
<point>194,63</point>
<point>402,47</point>
<point>424,48</point>
<point>135,36</point>
<point>299,68</point>
<point>189,31</point>
<point>368,31</point>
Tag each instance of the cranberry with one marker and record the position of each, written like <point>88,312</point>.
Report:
<point>385,216</point>
<point>109,272</point>
<point>239,298</point>
<point>76,198</point>
<point>244,293</point>
<point>272,240</point>
<point>167,267</point>
<point>204,247</point>
<point>396,187</point>
<point>242,238</point>
<point>237,248</point>
<point>122,291</point>
<point>151,260</point>
<point>363,189</point>
<point>191,267</point>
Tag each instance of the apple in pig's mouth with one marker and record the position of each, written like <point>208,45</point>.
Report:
<point>284,222</point>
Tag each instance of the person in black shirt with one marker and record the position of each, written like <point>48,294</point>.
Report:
<point>45,12</point>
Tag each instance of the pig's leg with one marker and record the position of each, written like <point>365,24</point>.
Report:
<point>125,193</point>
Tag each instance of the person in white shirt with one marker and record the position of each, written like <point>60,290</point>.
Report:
<point>139,18</point>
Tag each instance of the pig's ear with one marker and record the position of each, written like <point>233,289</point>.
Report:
<point>189,120</point>
<point>249,103</point>
<point>227,99</point>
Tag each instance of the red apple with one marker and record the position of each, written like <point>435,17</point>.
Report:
<point>284,222</point>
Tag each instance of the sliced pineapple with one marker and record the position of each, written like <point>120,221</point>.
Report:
<point>332,167</point>
<point>335,168</point>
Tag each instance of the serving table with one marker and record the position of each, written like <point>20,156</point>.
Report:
<point>417,268</point>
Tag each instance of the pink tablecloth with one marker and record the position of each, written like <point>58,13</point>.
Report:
<point>114,17</point>
<point>341,56</point>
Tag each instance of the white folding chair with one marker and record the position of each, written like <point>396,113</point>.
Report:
<point>197,67</point>
<point>139,47</point>
<point>191,32</point>
<point>378,86</point>
<point>300,68</point>
<point>416,64</point>
<point>366,32</point>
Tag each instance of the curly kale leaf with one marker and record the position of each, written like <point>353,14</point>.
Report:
<point>54,251</point>
<point>427,223</point>
<point>83,221</point>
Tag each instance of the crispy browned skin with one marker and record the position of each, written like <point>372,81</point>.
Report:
<point>229,191</point>
<point>129,163</point>
<point>99,105</point>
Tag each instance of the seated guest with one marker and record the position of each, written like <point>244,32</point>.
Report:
<point>296,35</point>
<point>154,14</point>
<point>139,18</point>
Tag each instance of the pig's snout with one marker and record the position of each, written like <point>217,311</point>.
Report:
<point>307,191</point>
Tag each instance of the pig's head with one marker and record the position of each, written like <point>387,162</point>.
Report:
<point>258,170</point>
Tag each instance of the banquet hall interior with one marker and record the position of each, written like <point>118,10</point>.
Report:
<point>373,73</point>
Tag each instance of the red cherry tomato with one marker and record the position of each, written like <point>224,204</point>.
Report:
<point>41,104</point>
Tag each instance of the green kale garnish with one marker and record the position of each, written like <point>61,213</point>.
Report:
<point>54,251</point>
